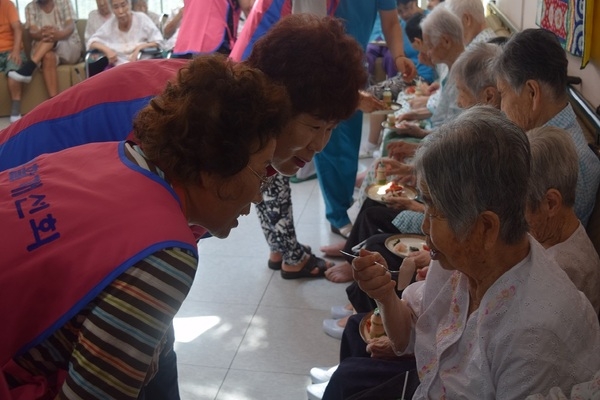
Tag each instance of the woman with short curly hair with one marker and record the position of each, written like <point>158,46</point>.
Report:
<point>322,69</point>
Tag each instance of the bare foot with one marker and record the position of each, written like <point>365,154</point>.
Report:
<point>275,256</point>
<point>333,250</point>
<point>340,273</point>
<point>342,322</point>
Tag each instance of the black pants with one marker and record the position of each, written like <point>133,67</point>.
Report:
<point>361,377</point>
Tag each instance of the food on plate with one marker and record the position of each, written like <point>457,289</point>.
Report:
<point>410,90</point>
<point>400,247</point>
<point>375,327</point>
<point>394,190</point>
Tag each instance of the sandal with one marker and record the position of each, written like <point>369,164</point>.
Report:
<point>306,271</point>
<point>276,265</point>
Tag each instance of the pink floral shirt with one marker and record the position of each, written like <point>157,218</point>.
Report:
<point>532,331</point>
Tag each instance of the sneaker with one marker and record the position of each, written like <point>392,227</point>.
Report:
<point>18,77</point>
<point>14,118</point>
<point>338,312</point>
<point>320,375</point>
<point>331,328</point>
<point>316,391</point>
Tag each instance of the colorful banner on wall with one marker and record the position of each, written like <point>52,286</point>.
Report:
<point>571,21</point>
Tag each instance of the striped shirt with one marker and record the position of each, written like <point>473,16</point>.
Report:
<point>111,347</point>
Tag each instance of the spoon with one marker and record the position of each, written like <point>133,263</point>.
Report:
<point>381,265</point>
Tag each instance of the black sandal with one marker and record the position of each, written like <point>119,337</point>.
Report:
<point>276,265</point>
<point>306,271</point>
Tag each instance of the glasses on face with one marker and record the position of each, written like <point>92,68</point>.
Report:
<point>265,181</point>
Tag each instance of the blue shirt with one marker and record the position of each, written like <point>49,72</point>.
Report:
<point>360,15</point>
<point>589,165</point>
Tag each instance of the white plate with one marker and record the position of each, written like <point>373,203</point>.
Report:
<point>374,193</point>
<point>415,241</point>
<point>393,108</point>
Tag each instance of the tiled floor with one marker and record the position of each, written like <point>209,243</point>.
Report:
<point>244,333</point>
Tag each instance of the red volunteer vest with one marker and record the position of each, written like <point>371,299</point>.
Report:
<point>204,26</point>
<point>72,222</point>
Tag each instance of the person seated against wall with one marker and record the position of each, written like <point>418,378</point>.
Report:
<point>124,36</point>
<point>11,53</point>
<point>473,73</point>
<point>475,84</point>
<point>407,9</point>
<point>550,215</point>
<point>472,17</point>
<point>443,39</point>
<point>444,29</point>
<point>552,222</point>
<point>59,336</point>
<point>485,271</point>
<point>51,24</point>
<point>97,18</point>
<point>532,80</point>
<point>142,6</point>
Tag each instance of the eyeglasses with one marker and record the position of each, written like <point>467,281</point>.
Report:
<point>265,181</point>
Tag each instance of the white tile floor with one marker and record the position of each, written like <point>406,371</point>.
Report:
<point>244,333</point>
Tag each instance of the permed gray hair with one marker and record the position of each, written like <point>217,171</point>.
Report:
<point>554,165</point>
<point>442,22</point>
<point>474,67</point>
<point>472,7</point>
<point>477,162</point>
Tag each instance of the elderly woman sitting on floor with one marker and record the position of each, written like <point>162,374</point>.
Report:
<point>124,36</point>
<point>488,321</point>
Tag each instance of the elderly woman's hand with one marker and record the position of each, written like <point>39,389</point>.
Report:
<point>369,103</point>
<point>381,347</point>
<point>402,203</point>
<point>418,101</point>
<point>400,149</point>
<point>422,258</point>
<point>394,167</point>
<point>411,129</point>
<point>112,57</point>
<point>371,277</point>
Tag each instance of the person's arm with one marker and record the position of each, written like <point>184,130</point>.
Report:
<point>108,52</point>
<point>376,282</point>
<point>172,25</point>
<point>368,103</point>
<point>127,323</point>
<point>15,54</point>
<point>62,34</point>
<point>392,32</point>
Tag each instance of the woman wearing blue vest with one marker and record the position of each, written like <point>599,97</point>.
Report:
<point>97,251</point>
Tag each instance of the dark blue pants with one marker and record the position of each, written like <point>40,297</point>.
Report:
<point>164,385</point>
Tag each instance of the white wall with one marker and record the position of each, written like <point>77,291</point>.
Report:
<point>522,14</point>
